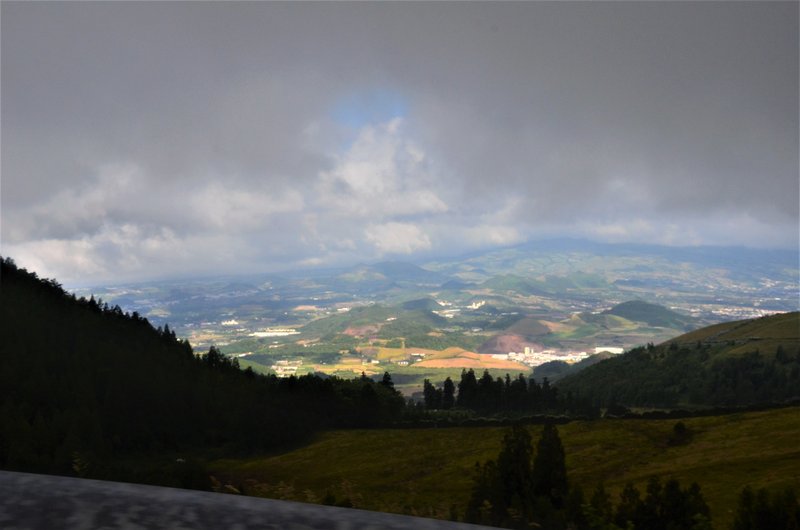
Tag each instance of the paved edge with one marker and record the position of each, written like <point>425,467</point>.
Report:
<point>31,501</point>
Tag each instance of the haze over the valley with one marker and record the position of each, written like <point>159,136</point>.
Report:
<point>146,140</point>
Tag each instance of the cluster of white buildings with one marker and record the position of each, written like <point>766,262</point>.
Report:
<point>286,368</point>
<point>535,358</point>
<point>275,332</point>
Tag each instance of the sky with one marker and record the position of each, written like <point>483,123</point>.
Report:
<point>145,140</point>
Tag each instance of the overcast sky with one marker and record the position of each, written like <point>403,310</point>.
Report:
<point>151,139</point>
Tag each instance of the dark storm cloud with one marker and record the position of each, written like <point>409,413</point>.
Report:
<point>230,128</point>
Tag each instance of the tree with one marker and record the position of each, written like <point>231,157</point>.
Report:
<point>760,510</point>
<point>549,467</point>
<point>650,514</point>
<point>515,493</point>
<point>448,394</point>
<point>629,507</point>
<point>665,507</point>
<point>601,503</point>
<point>467,389</point>
<point>517,390</point>
<point>387,381</point>
<point>549,395</point>
<point>502,494</point>
<point>430,395</point>
<point>514,469</point>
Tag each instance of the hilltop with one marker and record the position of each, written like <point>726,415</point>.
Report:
<point>735,363</point>
<point>393,272</point>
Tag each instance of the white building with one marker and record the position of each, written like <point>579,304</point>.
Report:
<point>609,349</point>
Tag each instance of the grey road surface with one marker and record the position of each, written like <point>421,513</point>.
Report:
<point>46,502</point>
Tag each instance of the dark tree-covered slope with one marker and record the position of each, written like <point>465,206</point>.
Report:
<point>737,363</point>
<point>84,382</point>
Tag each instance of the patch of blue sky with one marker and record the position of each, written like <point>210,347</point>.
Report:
<point>369,107</point>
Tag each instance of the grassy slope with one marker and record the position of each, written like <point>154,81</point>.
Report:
<point>784,326</point>
<point>764,333</point>
<point>425,471</point>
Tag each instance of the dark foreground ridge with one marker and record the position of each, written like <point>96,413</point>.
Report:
<point>29,501</point>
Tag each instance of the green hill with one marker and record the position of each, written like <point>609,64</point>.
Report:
<point>737,363</point>
<point>652,314</point>
<point>512,283</point>
<point>393,271</point>
<point>407,272</point>
<point>424,304</point>
<point>574,281</point>
<point>413,317</point>
<point>456,285</point>
<point>412,323</point>
<point>363,274</point>
<point>338,323</point>
<point>528,327</point>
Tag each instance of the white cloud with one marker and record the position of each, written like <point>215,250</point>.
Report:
<point>214,146</point>
<point>397,238</point>
<point>112,252</point>
<point>383,174</point>
<point>490,235</point>
<point>224,208</point>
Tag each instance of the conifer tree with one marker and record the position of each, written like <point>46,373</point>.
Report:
<point>549,467</point>
<point>448,394</point>
<point>387,381</point>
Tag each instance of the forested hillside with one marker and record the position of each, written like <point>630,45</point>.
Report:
<point>84,384</point>
<point>737,363</point>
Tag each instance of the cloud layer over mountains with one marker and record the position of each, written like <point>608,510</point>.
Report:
<point>154,139</point>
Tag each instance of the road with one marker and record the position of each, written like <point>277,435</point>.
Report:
<point>46,502</point>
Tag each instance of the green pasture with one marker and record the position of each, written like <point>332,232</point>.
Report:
<point>430,471</point>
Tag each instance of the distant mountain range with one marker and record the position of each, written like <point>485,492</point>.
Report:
<point>393,272</point>
<point>549,280</point>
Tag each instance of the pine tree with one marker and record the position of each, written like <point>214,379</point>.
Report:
<point>387,381</point>
<point>429,394</point>
<point>467,389</point>
<point>448,394</point>
<point>629,507</point>
<point>549,467</point>
<point>601,503</point>
<point>502,494</point>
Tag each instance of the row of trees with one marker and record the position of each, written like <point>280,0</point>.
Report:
<point>762,510</point>
<point>519,489</point>
<point>488,395</point>
<point>667,506</point>
<point>523,489</point>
